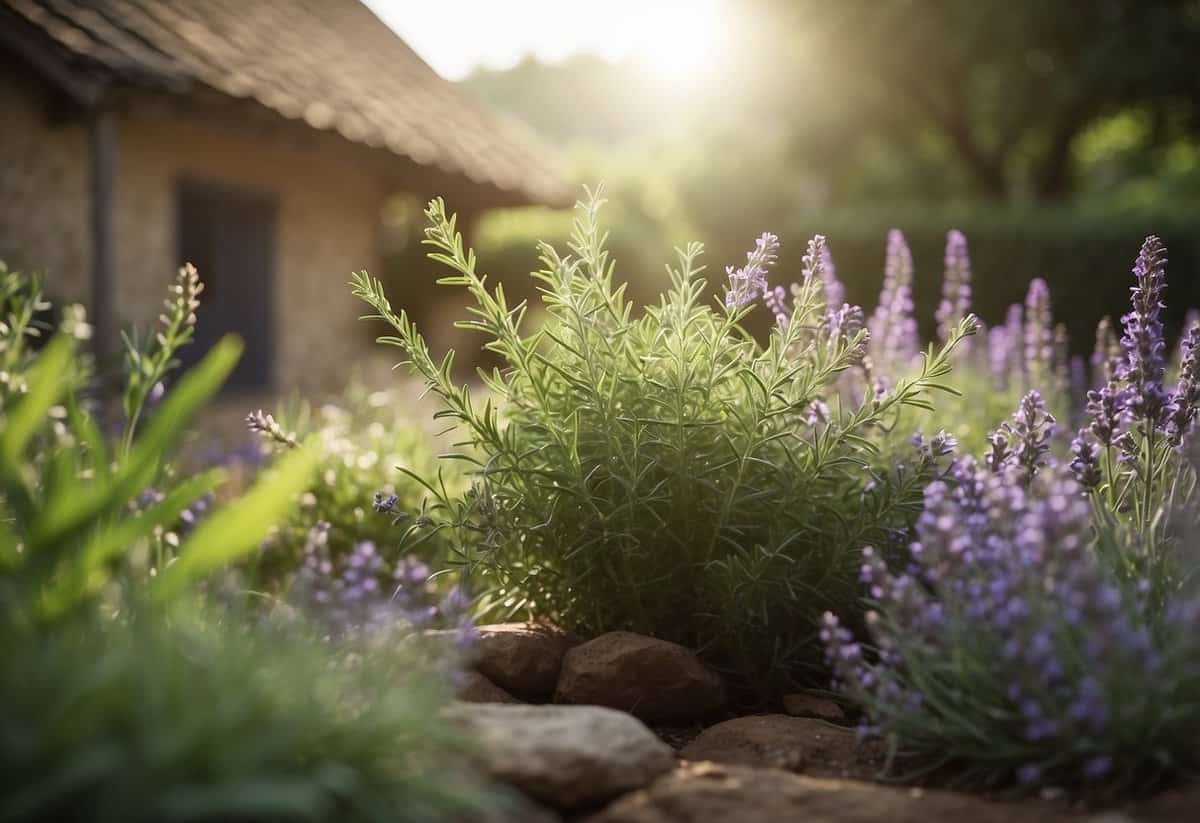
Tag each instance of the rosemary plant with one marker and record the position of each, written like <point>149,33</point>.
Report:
<point>662,471</point>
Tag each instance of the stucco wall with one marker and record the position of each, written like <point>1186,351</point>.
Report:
<point>327,220</point>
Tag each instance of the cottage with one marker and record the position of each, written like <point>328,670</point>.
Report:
<point>258,140</point>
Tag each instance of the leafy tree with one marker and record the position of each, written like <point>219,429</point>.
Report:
<point>1006,87</point>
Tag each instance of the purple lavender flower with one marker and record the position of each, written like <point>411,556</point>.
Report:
<point>1106,355</point>
<point>776,300</point>
<point>1002,580</point>
<point>1144,363</point>
<point>842,327</point>
<point>1039,332</point>
<point>1190,318</point>
<point>956,286</point>
<point>940,445</point>
<point>1023,443</point>
<point>893,327</point>
<point>999,356</point>
<point>1085,461</point>
<point>386,504</point>
<point>817,414</point>
<point>1106,408</point>
<point>835,290</point>
<point>1014,324</point>
<point>750,281</point>
<point>1181,410</point>
<point>1061,361</point>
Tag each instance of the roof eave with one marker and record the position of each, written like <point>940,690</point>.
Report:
<point>30,44</point>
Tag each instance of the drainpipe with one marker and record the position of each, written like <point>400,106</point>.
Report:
<point>102,146</point>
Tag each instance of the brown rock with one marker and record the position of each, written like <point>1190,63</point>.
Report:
<point>520,657</point>
<point>650,678</point>
<point>1181,805</point>
<point>564,756</point>
<point>797,744</point>
<point>516,808</point>
<point>714,793</point>
<point>806,705</point>
<point>475,688</point>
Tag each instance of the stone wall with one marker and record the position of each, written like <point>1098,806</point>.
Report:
<point>327,218</point>
<point>43,188</point>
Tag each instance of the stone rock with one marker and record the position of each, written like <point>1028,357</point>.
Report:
<point>806,705</point>
<point>515,809</point>
<point>564,756</point>
<point>475,688</point>
<point>521,658</point>
<point>1180,805</point>
<point>652,679</point>
<point>796,744</point>
<point>716,793</point>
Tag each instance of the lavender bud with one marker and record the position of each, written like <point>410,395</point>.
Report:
<point>750,281</point>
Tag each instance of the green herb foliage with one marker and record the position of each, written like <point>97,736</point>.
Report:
<point>661,470</point>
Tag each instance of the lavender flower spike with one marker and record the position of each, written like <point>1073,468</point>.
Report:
<point>1107,354</point>
<point>893,328</point>
<point>835,290</point>
<point>776,300</point>
<point>1039,332</point>
<point>999,356</point>
<point>1144,364</point>
<point>956,286</point>
<point>1023,443</point>
<point>750,281</point>
<point>1085,461</point>
<point>1106,408</point>
<point>1181,411</point>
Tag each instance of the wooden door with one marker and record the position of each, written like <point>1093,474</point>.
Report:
<point>228,234</point>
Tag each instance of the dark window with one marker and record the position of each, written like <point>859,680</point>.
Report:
<point>228,234</point>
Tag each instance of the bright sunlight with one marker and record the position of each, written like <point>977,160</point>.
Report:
<point>675,37</point>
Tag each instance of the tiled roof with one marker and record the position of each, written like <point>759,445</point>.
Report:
<point>329,63</point>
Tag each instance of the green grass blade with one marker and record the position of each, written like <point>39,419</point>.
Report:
<point>240,527</point>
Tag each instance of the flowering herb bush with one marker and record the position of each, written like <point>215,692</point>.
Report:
<point>1041,629</point>
<point>663,471</point>
<point>362,488</point>
<point>343,594</point>
<point>1027,351</point>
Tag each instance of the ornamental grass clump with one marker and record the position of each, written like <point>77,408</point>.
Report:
<point>128,691</point>
<point>660,470</point>
<point>1041,630</point>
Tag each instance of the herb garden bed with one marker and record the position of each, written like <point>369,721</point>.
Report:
<point>832,574</point>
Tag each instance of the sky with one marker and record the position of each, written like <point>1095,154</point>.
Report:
<point>456,36</point>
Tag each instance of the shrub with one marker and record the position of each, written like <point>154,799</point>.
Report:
<point>667,473</point>
<point>1041,631</point>
<point>178,716</point>
<point>122,696</point>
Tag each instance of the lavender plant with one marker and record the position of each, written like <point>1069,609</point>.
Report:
<point>1005,654</point>
<point>1040,631</point>
<point>343,594</point>
<point>359,489</point>
<point>663,471</point>
<point>1133,451</point>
